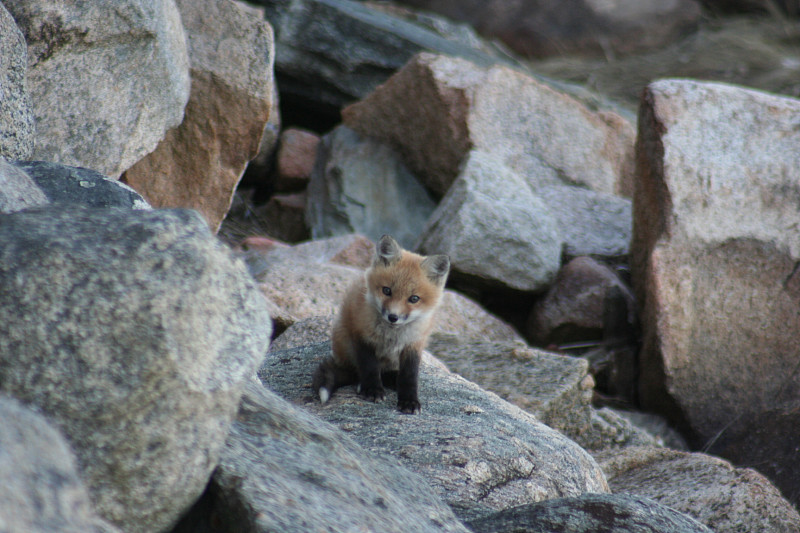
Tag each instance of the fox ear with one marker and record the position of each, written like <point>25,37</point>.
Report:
<point>387,251</point>
<point>436,267</point>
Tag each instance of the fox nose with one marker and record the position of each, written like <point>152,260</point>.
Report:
<point>392,318</point>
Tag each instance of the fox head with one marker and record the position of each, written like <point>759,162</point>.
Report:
<point>403,286</point>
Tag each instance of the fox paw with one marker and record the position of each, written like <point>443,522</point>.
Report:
<point>408,406</point>
<point>373,393</point>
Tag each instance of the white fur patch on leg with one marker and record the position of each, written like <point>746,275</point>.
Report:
<point>324,395</point>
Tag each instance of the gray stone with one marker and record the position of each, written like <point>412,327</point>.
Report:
<point>494,228</point>
<point>134,331</point>
<point>199,163</point>
<point>107,79</point>
<point>592,223</point>
<point>712,491</point>
<point>289,471</point>
<point>716,253</point>
<point>17,189</point>
<point>16,117</point>
<point>41,490</point>
<point>480,453</point>
<point>556,388</point>
<point>539,28</point>
<point>75,185</point>
<point>590,513</point>
<point>361,186</point>
<point>331,53</point>
<point>438,109</point>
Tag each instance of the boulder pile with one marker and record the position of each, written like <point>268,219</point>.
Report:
<point>617,344</point>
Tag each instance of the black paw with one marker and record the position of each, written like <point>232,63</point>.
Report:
<point>372,393</point>
<point>408,406</point>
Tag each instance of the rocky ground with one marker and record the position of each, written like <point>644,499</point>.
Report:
<point>618,341</point>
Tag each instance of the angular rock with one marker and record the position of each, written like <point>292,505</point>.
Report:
<point>437,109</point>
<point>285,470</point>
<point>494,229</point>
<point>591,223</point>
<point>712,491</point>
<point>199,164</point>
<point>573,308</point>
<point>360,185</point>
<point>297,154</point>
<point>332,53</point>
<point>16,117</point>
<point>716,253</point>
<point>539,28</point>
<point>307,331</point>
<point>17,189</point>
<point>284,217</point>
<point>75,185</point>
<point>41,490</point>
<point>465,318</point>
<point>590,513</point>
<point>107,79</point>
<point>556,388</point>
<point>134,331</point>
<point>479,453</point>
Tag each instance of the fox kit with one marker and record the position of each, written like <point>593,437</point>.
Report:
<point>383,325</point>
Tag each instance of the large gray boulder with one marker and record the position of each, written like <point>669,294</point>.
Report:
<point>709,489</point>
<point>107,79</point>
<point>82,186</point>
<point>590,513</point>
<point>496,231</point>
<point>331,53</point>
<point>134,332</point>
<point>41,490</point>
<point>480,453</point>
<point>199,163</point>
<point>437,109</point>
<point>716,253</point>
<point>360,185</point>
<point>16,117</point>
<point>285,470</point>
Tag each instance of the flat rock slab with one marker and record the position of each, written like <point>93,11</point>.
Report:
<point>284,469</point>
<point>480,453</point>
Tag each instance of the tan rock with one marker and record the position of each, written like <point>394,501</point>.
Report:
<point>199,163</point>
<point>711,490</point>
<point>297,153</point>
<point>716,252</point>
<point>438,108</point>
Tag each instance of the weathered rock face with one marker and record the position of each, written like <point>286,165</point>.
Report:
<point>332,53</point>
<point>199,163</point>
<point>297,153</point>
<point>573,308</point>
<point>75,185</point>
<point>716,252</point>
<point>481,454</point>
<point>494,228</point>
<point>16,118</point>
<point>438,108</point>
<point>591,223</point>
<point>41,490</point>
<point>361,186</point>
<point>556,388</point>
<point>710,490</point>
<point>17,189</point>
<point>590,513</point>
<point>107,79</point>
<point>134,331</point>
<point>545,27</point>
<point>285,470</point>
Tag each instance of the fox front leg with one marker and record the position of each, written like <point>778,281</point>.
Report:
<point>408,381</point>
<point>369,373</point>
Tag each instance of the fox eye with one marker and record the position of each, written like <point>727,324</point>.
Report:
<point>413,299</point>
<point>387,291</point>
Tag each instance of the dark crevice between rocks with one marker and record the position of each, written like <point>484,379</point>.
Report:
<point>217,512</point>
